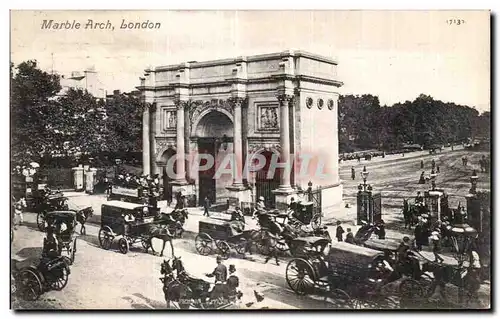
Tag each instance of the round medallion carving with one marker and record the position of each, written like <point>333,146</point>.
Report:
<point>309,102</point>
<point>320,103</point>
<point>330,104</point>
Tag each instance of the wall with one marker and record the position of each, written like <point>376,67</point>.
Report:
<point>318,138</point>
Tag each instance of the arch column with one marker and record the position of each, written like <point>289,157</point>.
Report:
<point>146,147</point>
<point>285,190</point>
<point>238,192</point>
<point>181,148</point>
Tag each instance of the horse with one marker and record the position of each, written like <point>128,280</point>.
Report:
<point>159,232</point>
<point>174,221</point>
<point>173,289</point>
<point>82,216</point>
<point>468,283</point>
<point>364,233</point>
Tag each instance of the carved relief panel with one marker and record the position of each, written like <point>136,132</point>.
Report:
<point>169,119</point>
<point>268,117</point>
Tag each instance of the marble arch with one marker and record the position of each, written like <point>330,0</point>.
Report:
<point>285,102</point>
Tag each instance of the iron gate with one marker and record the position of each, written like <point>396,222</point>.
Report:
<point>314,196</point>
<point>377,207</point>
<point>264,187</point>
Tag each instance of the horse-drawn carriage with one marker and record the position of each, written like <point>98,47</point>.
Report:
<point>304,215</point>
<point>66,238</point>
<point>48,203</point>
<point>223,235</point>
<point>114,224</point>
<point>354,276</point>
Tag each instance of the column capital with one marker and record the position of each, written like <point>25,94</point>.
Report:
<point>284,98</point>
<point>146,106</point>
<point>181,104</point>
<point>237,101</point>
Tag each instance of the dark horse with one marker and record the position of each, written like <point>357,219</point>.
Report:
<point>466,279</point>
<point>174,221</point>
<point>410,214</point>
<point>82,216</point>
<point>160,232</point>
<point>364,233</point>
<point>173,289</point>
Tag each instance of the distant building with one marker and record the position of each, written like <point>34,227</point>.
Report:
<point>85,80</point>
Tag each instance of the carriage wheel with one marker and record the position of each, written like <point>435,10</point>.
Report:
<point>241,247</point>
<point>62,279</point>
<point>106,237</point>
<point>30,285</point>
<point>224,249</point>
<point>40,221</point>
<point>300,276</point>
<point>342,299</point>
<point>203,244</point>
<point>316,221</point>
<point>410,289</point>
<point>123,245</point>
<point>73,252</point>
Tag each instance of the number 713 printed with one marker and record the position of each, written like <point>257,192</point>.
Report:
<point>455,21</point>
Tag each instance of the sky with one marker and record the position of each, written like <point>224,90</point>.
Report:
<point>395,55</point>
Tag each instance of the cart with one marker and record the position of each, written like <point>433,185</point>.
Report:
<point>66,238</point>
<point>304,215</point>
<point>113,225</point>
<point>353,276</point>
<point>54,202</point>
<point>216,235</point>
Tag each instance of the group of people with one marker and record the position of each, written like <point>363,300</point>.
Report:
<point>145,182</point>
<point>224,285</point>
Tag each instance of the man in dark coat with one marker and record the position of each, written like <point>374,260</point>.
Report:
<point>353,173</point>
<point>349,238</point>
<point>419,233</point>
<point>340,231</point>
<point>206,206</point>
<point>220,274</point>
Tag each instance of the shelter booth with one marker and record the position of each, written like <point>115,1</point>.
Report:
<point>476,209</point>
<point>369,207</point>
<point>433,200</point>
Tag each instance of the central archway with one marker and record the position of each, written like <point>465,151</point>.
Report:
<point>214,135</point>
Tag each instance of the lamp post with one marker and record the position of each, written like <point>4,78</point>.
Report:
<point>433,179</point>
<point>364,186</point>
<point>473,182</point>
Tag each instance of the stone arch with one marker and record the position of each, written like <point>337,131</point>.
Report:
<point>202,116</point>
<point>162,151</point>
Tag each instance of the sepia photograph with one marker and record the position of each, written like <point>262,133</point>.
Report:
<point>250,160</point>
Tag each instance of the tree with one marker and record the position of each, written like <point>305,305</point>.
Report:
<point>124,123</point>
<point>31,107</point>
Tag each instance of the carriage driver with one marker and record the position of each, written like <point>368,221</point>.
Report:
<point>220,274</point>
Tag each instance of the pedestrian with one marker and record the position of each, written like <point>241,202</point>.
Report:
<point>349,238</point>
<point>421,164</point>
<point>433,164</point>
<point>340,231</point>
<point>421,180</point>
<point>418,232</point>
<point>381,229</point>
<point>206,206</point>
<point>353,173</point>
<point>437,168</point>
